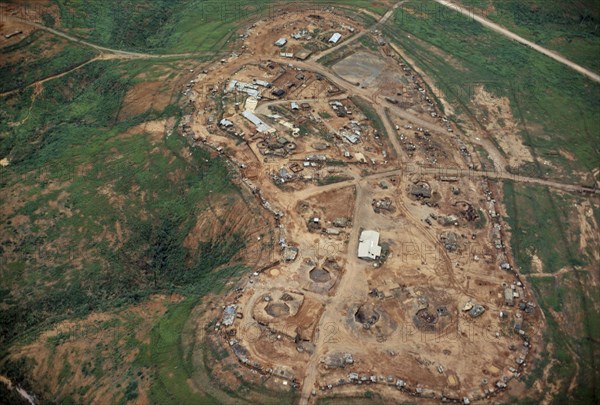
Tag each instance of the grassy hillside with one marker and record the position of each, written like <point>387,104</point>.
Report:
<point>104,205</point>
<point>96,203</point>
<point>166,26</point>
<point>553,106</point>
<point>568,27</point>
<point>37,57</point>
<point>538,218</point>
<point>554,228</point>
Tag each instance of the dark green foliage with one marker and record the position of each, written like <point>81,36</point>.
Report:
<point>131,392</point>
<point>127,24</point>
<point>48,20</point>
<point>168,26</point>
<point>11,397</point>
<point>24,71</point>
<point>553,105</point>
<point>73,124</point>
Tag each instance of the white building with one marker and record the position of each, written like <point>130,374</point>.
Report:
<point>281,42</point>
<point>226,123</point>
<point>260,125</point>
<point>335,38</point>
<point>369,248</point>
<point>262,83</point>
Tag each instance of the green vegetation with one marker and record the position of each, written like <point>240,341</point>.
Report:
<point>334,57</point>
<point>368,42</point>
<point>157,26</point>
<point>28,63</point>
<point>572,326</point>
<point>165,26</point>
<point>486,161</point>
<point>569,28</point>
<point>371,114</point>
<point>102,182</point>
<point>102,205</point>
<point>541,225</point>
<point>551,103</point>
<point>173,354</point>
<point>482,220</point>
<point>336,163</point>
<point>552,106</point>
<point>332,179</point>
<point>98,208</point>
<point>368,397</point>
<point>166,355</point>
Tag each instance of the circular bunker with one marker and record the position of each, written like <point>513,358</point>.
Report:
<point>277,309</point>
<point>367,315</point>
<point>425,319</point>
<point>319,275</point>
<point>276,306</point>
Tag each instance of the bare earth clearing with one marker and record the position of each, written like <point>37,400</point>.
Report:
<point>441,312</point>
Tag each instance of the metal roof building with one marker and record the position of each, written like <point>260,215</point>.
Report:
<point>369,248</point>
<point>281,42</point>
<point>352,138</point>
<point>335,38</point>
<point>262,83</point>
<point>231,86</point>
<point>260,125</point>
<point>229,314</point>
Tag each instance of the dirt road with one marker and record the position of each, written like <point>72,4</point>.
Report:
<point>455,172</point>
<point>56,76</point>
<point>411,169</point>
<point>344,293</point>
<point>562,271</point>
<point>363,92</point>
<point>366,93</point>
<point>501,30</point>
<point>356,37</point>
<point>263,108</point>
<point>124,54</point>
<point>369,94</point>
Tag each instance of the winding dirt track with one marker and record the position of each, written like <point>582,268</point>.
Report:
<point>501,30</point>
<point>61,74</point>
<point>356,37</point>
<point>124,54</point>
